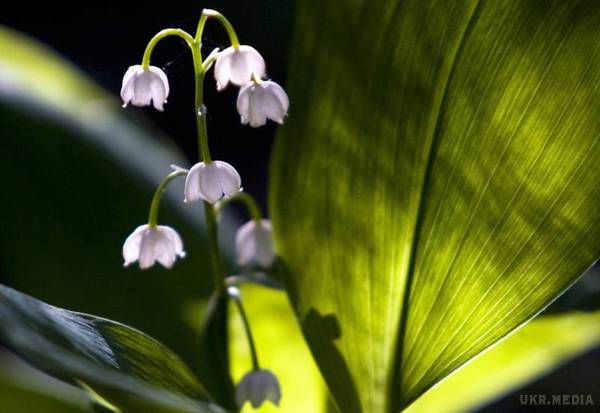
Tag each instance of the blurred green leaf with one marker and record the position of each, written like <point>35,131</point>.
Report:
<point>78,176</point>
<point>281,349</point>
<point>25,390</point>
<point>530,352</point>
<point>119,361</point>
<point>436,184</point>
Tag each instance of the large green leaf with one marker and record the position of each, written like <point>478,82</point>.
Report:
<point>121,362</point>
<point>436,184</point>
<point>78,175</point>
<point>532,351</point>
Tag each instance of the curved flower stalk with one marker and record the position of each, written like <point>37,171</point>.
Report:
<point>214,182</point>
<point>152,242</point>
<point>258,385</point>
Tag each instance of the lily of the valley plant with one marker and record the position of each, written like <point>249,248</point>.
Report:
<point>214,182</point>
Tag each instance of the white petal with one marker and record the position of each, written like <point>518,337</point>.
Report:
<point>277,103</point>
<point>162,77</point>
<point>159,87</point>
<point>254,244</point>
<point>245,245</point>
<point>265,253</point>
<point>238,65</point>
<point>258,102</point>
<point>272,389</point>
<point>243,100</point>
<point>256,389</point>
<point>147,249</point>
<point>241,392</point>
<point>279,93</point>
<point>174,238</point>
<point>229,179</point>
<point>142,93</point>
<point>256,112</point>
<point>222,68</point>
<point>192,183</point>
<point>245,62</point>
<point>127,85</point>
<point>211,182</point>
<point>164,250</point>
<point>131,247</point>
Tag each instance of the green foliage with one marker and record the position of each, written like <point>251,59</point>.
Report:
<point>24,390</point>
<point>119,362</point>
<point>529,353</point>
<point>437,183</point>
<point>78,176</point>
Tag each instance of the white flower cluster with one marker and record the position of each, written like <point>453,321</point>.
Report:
<point>258,100</point>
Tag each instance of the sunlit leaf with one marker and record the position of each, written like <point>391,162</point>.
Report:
<point>536,349</point>
<point>436,184</point>
<point>78,175</point>
<point>281,349</point>
<point>121,362</point>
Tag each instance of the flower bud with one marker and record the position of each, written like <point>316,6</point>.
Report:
<point>237,66</point>
<point>211,182</point>
<point>143,86</point>
<point>262,100</point>
<point>150,244</point>
<point>256,387</point>
<point>254,244</point>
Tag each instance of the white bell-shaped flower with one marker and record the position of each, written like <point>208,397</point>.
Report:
<point>237,66</point>
<point>150,244</point>
<point>211,182</point>
<point>256,387</point>
<point>261,100</point>
<point>254,243</point>
<point>144,86</point>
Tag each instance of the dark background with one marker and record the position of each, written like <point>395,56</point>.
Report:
<point>105,38</point>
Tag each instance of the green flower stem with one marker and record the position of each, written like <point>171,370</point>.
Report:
<point>210,59</point>
<point>210,217</point>
<point>200,28</point>
<point>233,38</point>
<point>234,294</point>
<point>199,73</point>
<point>249,202</point>
<point>155,205</point>
<point>161,35</point>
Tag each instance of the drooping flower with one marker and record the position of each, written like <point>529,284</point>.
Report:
<point>237,66</point>
<point>261,100</point>
<point>150,244</point>
<point>254,243</point>
<point>211,182</point>
<point>144,86</point>
<point>256,387</point>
